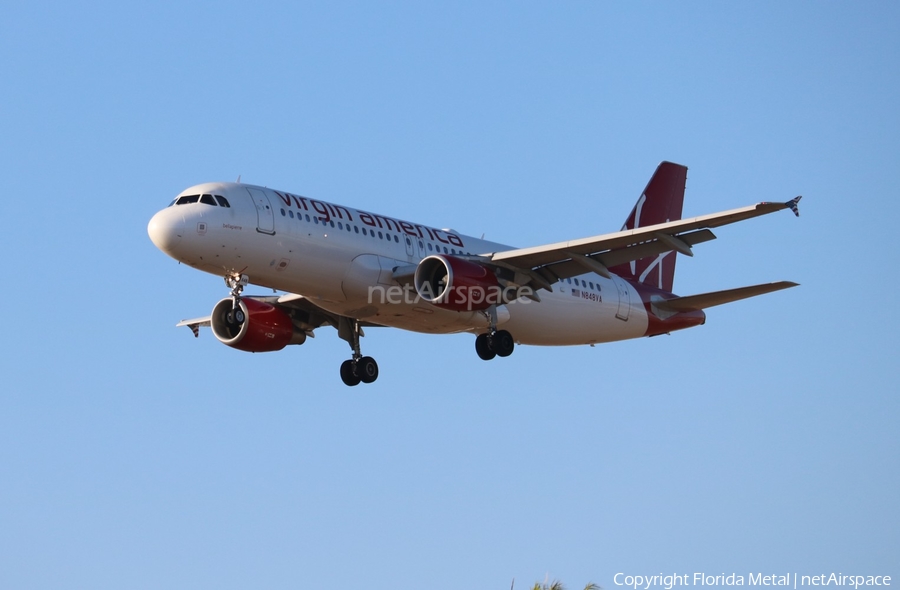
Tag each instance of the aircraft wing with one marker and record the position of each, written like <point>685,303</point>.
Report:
<point>315,315</point>
<point>307,315</point>
<point>195,324</point>
<point>544,265</point>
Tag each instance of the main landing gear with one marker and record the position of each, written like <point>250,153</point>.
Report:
<point>497,343</point>
<point>359,369</point>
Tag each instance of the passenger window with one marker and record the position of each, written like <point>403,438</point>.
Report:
<point>332,224</point>
<point>356,228</point>
<point>592,285</point>
<point>223,202</point>
<point>430,248</point>
<point>364,232</point>
<point>380,237</point>
<point>396,239</point>
<point>316,220</point>
<point>283,214</point>
<point>291,214</point>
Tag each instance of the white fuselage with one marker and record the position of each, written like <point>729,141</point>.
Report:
<point>344,260</point>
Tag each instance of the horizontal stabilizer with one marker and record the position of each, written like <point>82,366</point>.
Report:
<point>704,300</point>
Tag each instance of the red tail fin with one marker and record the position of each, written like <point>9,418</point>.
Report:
<point>660,202</point>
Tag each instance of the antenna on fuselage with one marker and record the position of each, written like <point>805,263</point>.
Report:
<point>239,179</point>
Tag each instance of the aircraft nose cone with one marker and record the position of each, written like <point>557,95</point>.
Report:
<point>165,230</point>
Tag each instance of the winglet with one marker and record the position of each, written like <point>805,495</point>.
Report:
<point>793,205</point>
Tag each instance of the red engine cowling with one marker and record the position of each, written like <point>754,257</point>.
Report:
<point>457,284</point>
<point>254,327</point>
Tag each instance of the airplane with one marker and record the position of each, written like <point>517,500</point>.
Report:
<point>352,269</point>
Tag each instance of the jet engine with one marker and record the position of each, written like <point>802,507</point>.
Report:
<point>458,284</point>
<point>254,326</point>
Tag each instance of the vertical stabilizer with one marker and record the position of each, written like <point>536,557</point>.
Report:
<point>660,202</point>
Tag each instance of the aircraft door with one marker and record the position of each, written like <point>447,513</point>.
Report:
<point>265,215</point>
<point>421,248</point>
<point>410,248</point>
<point>624,298</point>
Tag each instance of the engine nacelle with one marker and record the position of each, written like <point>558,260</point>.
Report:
<point>460,285</point>
<point>254,327</point>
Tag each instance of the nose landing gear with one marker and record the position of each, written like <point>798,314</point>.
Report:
<point>236,282</point>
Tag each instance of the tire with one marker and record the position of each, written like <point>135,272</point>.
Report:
<point>502,343</point>
<point>483,348</point>
<point>348,376</point>
<point>367,369</point>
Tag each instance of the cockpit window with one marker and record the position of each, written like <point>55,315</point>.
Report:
<point>222,201</point>
<point>205,199</point>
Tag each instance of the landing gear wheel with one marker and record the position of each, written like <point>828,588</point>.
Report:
<point>367,369</point>
<point>483,347</point>
<point>348,374</point>
<point>235,318</point>
<point>502,343</point>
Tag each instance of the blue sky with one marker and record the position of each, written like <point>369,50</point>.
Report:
<point>134,456</point>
